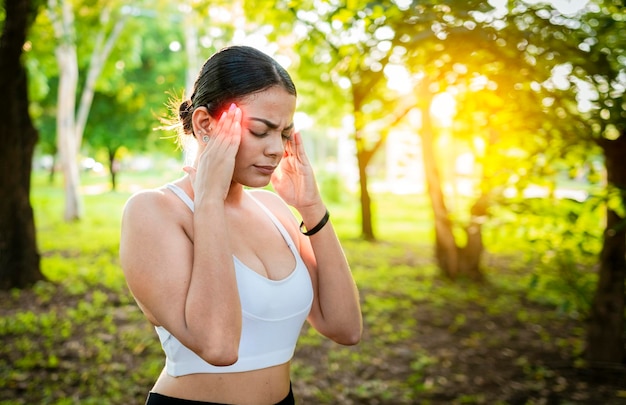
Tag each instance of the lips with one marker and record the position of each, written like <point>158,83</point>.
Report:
<point>269,169</point>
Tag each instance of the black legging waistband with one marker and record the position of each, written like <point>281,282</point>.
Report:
<point>155,398</point>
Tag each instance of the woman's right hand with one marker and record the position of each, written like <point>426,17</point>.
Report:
<point>213,174</point>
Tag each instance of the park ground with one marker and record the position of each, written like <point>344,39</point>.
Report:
<point>426,341</point>
<point>515,338</point>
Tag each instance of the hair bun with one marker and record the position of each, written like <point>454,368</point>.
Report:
<point>184,114</point>
<point>186,108</point>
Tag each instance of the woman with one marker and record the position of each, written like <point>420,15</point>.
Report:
<point>225,273</point>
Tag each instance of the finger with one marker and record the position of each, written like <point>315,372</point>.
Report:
<point>298,148</point>
<point>297,137</point>
<point>237,132</point>
<point>235,124</point>
<point>296,143</point>
<point>290,146</point>
<point>219,127</point>
<point>191,171</point>
<point>225,127</point>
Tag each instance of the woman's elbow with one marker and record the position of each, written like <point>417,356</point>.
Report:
<point>355,337</point>
<point>349,340</point>
<point>218,346</point>
<point>349,336</point>
<point>219,358</point>
<point>218,351</point>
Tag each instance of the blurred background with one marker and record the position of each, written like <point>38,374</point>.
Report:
<point>472,154</point>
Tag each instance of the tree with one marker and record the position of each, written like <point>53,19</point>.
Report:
<point>500,72</point>
<point>445,47</point>
<point>345,45</point>
<point>601,63</point>
<point>159,56</point>
<point>19,256</point>
<point>587,45</point>
<point>125,111</point>
<point>71,121</point>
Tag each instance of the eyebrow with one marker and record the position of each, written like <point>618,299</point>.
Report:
<point>270,124</point>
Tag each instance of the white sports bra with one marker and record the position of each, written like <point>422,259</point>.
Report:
<point>273,312</point>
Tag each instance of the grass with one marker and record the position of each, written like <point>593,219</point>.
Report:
<point>80,339</point>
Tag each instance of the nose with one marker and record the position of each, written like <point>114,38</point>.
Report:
<point>275,145</point>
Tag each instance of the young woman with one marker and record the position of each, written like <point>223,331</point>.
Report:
<point>226,273</point>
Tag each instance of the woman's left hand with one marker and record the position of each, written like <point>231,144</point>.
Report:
<point>294,180</point>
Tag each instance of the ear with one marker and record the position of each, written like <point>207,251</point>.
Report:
<point>201,121</point>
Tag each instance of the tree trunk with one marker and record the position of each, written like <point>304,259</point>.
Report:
<point>103,46</point>
<point>19,257</point>
<point>52,171</point>
<point>367,230</point>
<point>446,250</point>
<point>66,106</point>
<point>471,253</point>
<point>605,334</point>
<point>66,129</point>
<point>71,123</point>
<point>363,157</point>
<point>113,168</point>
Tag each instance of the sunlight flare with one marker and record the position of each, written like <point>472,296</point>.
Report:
<point>443,108</point>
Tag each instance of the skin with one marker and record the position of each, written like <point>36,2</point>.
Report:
<point>167,251</point>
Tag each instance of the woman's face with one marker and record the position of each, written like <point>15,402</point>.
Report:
<point>267,122</point>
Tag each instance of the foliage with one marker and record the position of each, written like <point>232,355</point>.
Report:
<point>562,242</point>
<point>125,102</point>
<point>147,67</point>
<point>294,27</point>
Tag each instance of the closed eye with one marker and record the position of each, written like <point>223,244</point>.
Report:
<point>288,135</point>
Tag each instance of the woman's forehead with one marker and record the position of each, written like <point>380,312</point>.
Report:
<point>274,107</point>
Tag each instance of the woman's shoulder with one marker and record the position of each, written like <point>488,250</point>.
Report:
<point>150,202</point>
<point>146,198</point>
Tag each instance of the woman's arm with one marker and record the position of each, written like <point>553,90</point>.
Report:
<point>187,283</point>
<point>187,287</point>
<point>336,311</point>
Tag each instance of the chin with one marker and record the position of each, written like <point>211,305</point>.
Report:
<point>258,183</point>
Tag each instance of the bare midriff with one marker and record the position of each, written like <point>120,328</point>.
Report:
<point>266,386</point>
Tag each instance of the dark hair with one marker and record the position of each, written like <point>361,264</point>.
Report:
<point>230,75</point>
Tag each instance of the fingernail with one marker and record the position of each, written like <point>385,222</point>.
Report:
<point>232,107</point>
